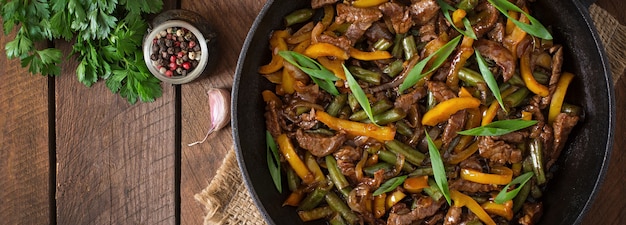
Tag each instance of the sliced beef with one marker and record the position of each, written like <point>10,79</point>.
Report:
<point>378,31</point>
<point>321,3</point>
<point>453,216</point>
<point>562,127</point>
<point>423,10</point>
<point>497,33</point>
<point>440,90</point>
<point>398,14</point>
<point>426,206</point>
<point>273,112</point>
<point>531,213</point>
<point>347,158</point>
<point>498,152</point>
<point>428,31</point>
<point>318,144</point>
<point>341,42</point>
<point>514,137</point>
<point>499,54</point>
<point>557,63</point>
<point>456,122</point>
<point>405,101</point>
<point>488,17</point>
<point>307,121</point>
<point>471,163</point>
<point>471,187</point>
<point>360,19</point>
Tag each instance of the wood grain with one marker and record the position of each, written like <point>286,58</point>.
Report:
<point>231,20</point>
<point>24,149</point>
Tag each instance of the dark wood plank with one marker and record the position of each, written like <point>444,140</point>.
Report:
<point>116,161</point>
<point>231,20</point>
<point>24,150</point>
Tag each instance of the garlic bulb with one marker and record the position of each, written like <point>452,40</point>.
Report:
<point>219,107</point>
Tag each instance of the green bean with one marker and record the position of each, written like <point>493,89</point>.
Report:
<point>389,116</point>
<point>335,106</point>
<point>316,214</point>
<point>428,171</point>
<point>371,170</point>
<point>377,108</point>
<point>365,75</point>
<point>411,155</point>
<point>321,131</point>
<point>535,191</point>
<point>394,68</point>
<point>404,129</point>
<point>335,174</point>
<point>467,5</point>
<point>431,102</point>
<point>396,51</point>
<point>521,197</point>
<point>340,207</point>
<point>382,44</point>
<point>392,158</point>
<point>536,155</point>
<point>298,16</point>
<point>408,45</point>
<point>337,220</point>
<point>354,104</point>
<point>542,78</point>
<point>572,110</point>
<point>293,181</point>
<point>517,98</point>
<point>433,191</point>
<point>314,198</point>
<point>516,80</point>
<point>470,77</point>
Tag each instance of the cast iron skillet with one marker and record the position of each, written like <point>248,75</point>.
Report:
<point>579,171</point>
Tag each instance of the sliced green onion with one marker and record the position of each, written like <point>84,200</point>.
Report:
<point>439,170</point>
<point>445,8</point>
<point>273,161</point>
<point>441,55</point>
<point>489,78</point>
<point>535,28</point>
<point>389,185</point>
<point>359,94</point>
<point>318,73</point>
<point>500,127</point>
<point>505,195</point>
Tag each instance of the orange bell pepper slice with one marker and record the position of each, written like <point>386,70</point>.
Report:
<point>502,175</point>
<point>367,3</point>
<point>369,56</point>
<point>415,184</point>
<point>490,113</point>
<point>442,111</point>
<point>288,151</point>
<point>294,198</point>
<point>504,210</point>
<point>528,115</point>
<point>559,94</point>
<point>457,17</point>
<point>269,96</point>
<point>461,200</point>
<point>325,49</point>
<point>529,79</point>
<point>277,44</point>
<point>356,128</point>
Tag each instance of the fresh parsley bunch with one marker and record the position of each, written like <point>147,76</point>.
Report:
<point>108,35</point>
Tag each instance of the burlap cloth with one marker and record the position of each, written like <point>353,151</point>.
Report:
<point>228,201</point>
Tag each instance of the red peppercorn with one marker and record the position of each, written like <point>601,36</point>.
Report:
<point>168,36</point>
<point>181,54</point>
<point>169,73</point>
<point>192,44</point>
<point>186,65</point>
<point>177,43</point>
<point>154,41</point>
<point>172,58</point>
<point>173,66</point>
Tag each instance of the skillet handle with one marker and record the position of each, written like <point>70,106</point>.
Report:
<point>587,3</point>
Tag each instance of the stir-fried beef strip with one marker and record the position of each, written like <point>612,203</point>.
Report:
<point>456,122</point>
<point>360,19</point>
<point>453,216</point>
<point>531,213</point>
<point>426,207</point>
<point>315,4</point>
<point>498,152</point>
<point>471,187</point>
<point>405,101</point>
<point>487,18</point>
<point>499,54</point>
<point>440,91</point>
<point>399,16</point>
<point>319,144</point>
<point>562,126</point>
<point>423,10</point>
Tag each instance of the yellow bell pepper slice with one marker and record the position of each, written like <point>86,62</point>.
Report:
<point>463,155</point>
<point>559,94</point>
<point>325,49</point>
<point>369,56</point>
<point>379,208</point>
<point>504,210</point>
<point>288,81</point>
<point>529,79</point>
<point>415,184</point>
<point>394,198</point>
<point>461,200</point>
<point>457,17</point>
<point>442,111</point>
<point>269,96</point>
<point>527,115</point>
<point>464,93</point>
<point>367,3</point>
<point>335,66</point>
<point>490,113</point>
<point>277,44</point>
<point>356,128</point>
<point>329,14</point>
<point>288,151</point>
<point>502,175</point>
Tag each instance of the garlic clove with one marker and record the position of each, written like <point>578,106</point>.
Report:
<point>219,111</point>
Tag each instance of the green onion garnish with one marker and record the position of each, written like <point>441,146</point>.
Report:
<point>438,170</point>
<point>500,127</point>
<point>389,185</point>
<point>273,161</point>
<point>445,8</point>
<point>359,94</point>
<point>489,78</point>
<point>535,28</point>
<point>441,55</point>
<point>505,195</point>
<point>318,73</point>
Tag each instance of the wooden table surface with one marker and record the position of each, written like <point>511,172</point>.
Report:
<point>76,155</point>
